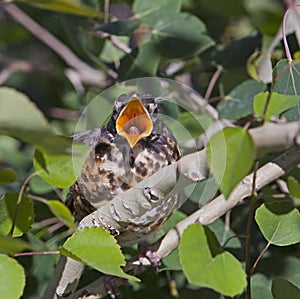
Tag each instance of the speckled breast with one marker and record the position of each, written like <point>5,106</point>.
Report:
<point>113,167</point>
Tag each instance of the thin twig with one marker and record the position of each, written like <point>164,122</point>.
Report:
<point>46,222</point>
<point>20,196</point>
<point>37,253</point>
<point>226,225</point>
<point>118,44</point>
<point>58,223</point>
<point>260,256</point>
<point>263,116</point>
<point>121,46</point>
<point>65,114</point>
<point>56,227</point>
<point>213,82</point>
<point>172,285</point>
<point>274,196</point>
<point>216,99</point>
<point>38,198</point>
<point>283,32</point>
<point>106,11</point>
<point>248,230</point>
<point>231,238</point>
<point>59,193</point>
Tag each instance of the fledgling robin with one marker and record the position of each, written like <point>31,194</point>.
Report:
<point>132,146</point>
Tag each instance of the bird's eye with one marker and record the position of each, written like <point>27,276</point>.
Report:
<point>152,107</point>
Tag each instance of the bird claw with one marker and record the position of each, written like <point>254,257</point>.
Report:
<point>153,258</point>
<point>145,251</point>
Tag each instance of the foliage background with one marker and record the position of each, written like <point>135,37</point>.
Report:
<point>212,46</point>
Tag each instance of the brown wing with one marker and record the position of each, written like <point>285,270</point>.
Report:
<point>85,192</point>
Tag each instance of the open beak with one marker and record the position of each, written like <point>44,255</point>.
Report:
<point>134,121</point>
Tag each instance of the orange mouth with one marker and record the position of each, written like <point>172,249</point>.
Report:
<point>134,121</point>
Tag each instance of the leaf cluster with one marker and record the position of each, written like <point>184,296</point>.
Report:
<point>222,51</point>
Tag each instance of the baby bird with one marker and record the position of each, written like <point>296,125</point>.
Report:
<point>133,145</point>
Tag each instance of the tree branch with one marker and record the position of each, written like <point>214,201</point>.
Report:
<point>10,66</point>
<point>206,215</point>
<point>172,179</point>
<point>86,73</point>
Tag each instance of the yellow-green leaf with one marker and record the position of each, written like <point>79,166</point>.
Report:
<point>230,156</point>
<point>13,245</point>
<point>57,169</point>
<point>277,104</point>
<point>25,218</point>
<point>20,118</point>
<point>205,264</point>
<point>12,278</point>
<point>66,6</point>
<point>61,212</point>
<point>282,288</point>
<point>279,222</point>
<point>293,186</point>
<point>95,247</point>
<point>7,176</point>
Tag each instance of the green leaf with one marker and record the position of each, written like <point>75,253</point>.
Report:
<point>13,245</point>
<point>251,66</point>
<point>150,12</point>
<point>56,170</point>
<point>8,203</point>
<point>171,38</point>
<point>9,152</point>
<point>20,118</point>
<point>110,53</point>
<point>39,186</point>
<point>142,62</point>
<point>59,170</point>
<point>239,102</point>
<point>175,218</point>
<point>282,289</point>
<point>61,212</point>
<point>12,278</point>
<point>222,9</point>
<point>230,155</point>
<point>18,111</point>
<point>65,6</point>
<point>7,176</point>
<point>287,76</point>
<point>237,53</point>
<point>172,261</point>
<point>293,186</point>
<point>95,247</point>
<point>221,272</point>
<point>285,266</point>
<point>261,286</point>
<point>292,114</point>
<point>122,27</point>
<point>223,233</point>
<point>278,103</point>
<point>279,223</point>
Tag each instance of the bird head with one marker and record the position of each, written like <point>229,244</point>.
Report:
<point>134,116</point>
